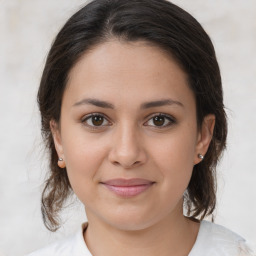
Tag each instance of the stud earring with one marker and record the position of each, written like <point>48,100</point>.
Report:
<point>200,156</point>
<point>61,163</point>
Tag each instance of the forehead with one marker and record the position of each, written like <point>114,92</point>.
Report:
<point>126,56</point>
<point>119,68</point>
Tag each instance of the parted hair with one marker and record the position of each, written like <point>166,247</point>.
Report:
<point>164,25</point>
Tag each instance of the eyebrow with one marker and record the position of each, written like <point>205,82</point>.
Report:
<point>159,103</point>
<point>146,105</point>
<point>95,102</point>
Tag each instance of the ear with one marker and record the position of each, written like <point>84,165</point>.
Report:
<point>57,138</point>
<point>204,137</point>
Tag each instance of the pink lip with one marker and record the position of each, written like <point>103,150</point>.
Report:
<point>127,188</point>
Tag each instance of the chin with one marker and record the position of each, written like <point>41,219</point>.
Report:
<point>132,221</point>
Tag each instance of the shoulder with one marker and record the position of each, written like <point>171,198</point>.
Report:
<point>72,245</point>
<point>62,247</point>
<point>216,240</point>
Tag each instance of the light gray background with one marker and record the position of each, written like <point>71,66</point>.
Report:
<point>27,28</point>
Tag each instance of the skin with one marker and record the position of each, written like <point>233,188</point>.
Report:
<point>130,144</point>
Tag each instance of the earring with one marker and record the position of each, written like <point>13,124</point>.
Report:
<point>200,156</point>
<point>61,163</point>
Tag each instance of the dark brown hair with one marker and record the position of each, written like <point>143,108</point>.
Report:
<point>158,22</point>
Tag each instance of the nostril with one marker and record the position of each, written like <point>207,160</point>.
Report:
<point>126,165</point>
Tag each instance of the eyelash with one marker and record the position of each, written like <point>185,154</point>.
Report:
<point>167,117</point>
<point>171,120</point>
<point>90,116</point>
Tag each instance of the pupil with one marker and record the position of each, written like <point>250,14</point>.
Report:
<point>158,120</point>
<point>97,120</point>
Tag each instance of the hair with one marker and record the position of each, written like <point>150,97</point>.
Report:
<point>164,25</point>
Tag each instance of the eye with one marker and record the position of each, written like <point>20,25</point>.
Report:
<point>160,120</point>
<point>95,120</point>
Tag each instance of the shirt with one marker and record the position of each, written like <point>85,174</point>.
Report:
<point>212,240</point>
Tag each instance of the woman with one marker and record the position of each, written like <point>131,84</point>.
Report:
<point>133,116</point>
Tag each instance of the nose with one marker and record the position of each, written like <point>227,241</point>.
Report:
<point>127,149</point>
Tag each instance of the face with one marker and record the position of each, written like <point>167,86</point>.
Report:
<point>128,134</point>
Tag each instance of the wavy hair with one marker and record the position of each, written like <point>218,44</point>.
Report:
<point>160,23</point>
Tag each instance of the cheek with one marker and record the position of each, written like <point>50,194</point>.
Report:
<point>83,157</point>
<point>175,158</point>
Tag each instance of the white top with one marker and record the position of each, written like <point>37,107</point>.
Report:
<point>212,240</point>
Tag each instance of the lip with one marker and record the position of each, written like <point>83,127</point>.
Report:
<point>127,187</point>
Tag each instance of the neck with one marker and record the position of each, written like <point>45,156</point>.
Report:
<point>170,236</point>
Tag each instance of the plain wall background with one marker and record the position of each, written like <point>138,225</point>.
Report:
<point>27,28</point>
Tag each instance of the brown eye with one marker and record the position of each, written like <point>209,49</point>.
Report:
<point>161,121</point>
<point>158,120</point>
<point>95,120</point>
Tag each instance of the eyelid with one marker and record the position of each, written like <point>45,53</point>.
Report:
<point>88,116</point>
<point>171,119</point>
<point>167,116</point>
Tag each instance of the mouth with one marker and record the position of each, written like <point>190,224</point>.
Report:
<point>127,187</point>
